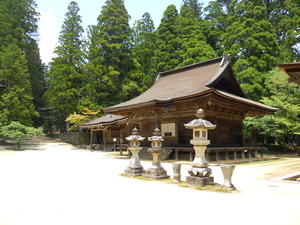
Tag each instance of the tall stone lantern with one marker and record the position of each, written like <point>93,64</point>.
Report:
<point>135,168</point>
<point>156,171</point>
<point>200,173</point>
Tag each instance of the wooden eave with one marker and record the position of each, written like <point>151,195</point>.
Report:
<point>291,69</point>
<point>99,124</point>
<point>250,107</point>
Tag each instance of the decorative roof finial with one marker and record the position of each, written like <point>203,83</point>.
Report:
<point>200,114</point>
<point>156,132</point>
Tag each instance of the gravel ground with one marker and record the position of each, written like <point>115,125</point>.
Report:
<point>55,184</point>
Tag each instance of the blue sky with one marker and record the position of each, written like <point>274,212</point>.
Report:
<point>52,16</point>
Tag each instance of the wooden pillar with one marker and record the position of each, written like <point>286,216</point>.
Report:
<point>176,132</point>
<point>130,126</point>
<point>231,131</point>
<point>243,154</point>
<point>104,139</point>
<point>235,154</point>
<point>255,153</point>
<point>176,154</point>
<point>226,155</point>
<point>91,140</point>
<point>158,122</point>
<point>249,154</point>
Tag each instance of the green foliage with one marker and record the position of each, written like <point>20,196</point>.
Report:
<point>17,131</point>
<point>194,47</point>
<point>144,47</point>
<point>18,25</point>
<point>214,25</point>
<point>195,8</point>
<point>168,42</point>
<point>109,52</point>
<point>77,119</point>
<point>284,124</point>
<point>285,17</point>
<point>66,74</point>
<point>251,40</point>
<point>16,100</point>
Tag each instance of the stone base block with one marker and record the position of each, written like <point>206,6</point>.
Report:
<point>156,173</point>
<point>199,181</point>
<point>135,171</point>
<point>155,176</point>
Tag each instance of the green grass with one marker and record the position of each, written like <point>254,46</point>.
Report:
<point>212,188</point>
<point>261,161</point>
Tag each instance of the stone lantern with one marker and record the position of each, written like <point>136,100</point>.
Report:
<point>135,168</point>
<point>200,173</point>
<point>156,171</point>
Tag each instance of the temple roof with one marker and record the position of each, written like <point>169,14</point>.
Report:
<point>106,120</point>
<point>291,69</point>
<point>211,76</point>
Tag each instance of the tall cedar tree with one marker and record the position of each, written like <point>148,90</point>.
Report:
<point>98,85</point>
<point>16,100</point>
<point>214,25</point>
<point>194,47</point>
<point>168,40</point>
<point>19,25</point>
<point>285,17</point>
<point>113,40</point>
<point>251,40</point>
<point>144,47</point>
<point>66,72</point>
<point>195,8</point>
<point>18,33</point>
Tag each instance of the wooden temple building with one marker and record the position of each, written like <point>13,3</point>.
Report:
<point>2,87</point>
<point>111,126</point>
<point>291,69</point>
<point>176,96</point>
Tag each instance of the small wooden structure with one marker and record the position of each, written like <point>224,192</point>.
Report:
<point>112,126</point>
<point>2,87</point>
<point>291,69</point>
<point>173,100</point>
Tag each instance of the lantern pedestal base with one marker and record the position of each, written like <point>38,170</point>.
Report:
<point>134,170</point>
<point>199,181</point>
<point>156,173</point>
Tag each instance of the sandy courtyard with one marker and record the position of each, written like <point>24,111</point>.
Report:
<point>55,184</point>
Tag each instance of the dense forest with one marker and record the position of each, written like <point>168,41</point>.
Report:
<point>112,62</point>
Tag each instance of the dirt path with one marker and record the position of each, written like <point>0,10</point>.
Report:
<point>57,185</point>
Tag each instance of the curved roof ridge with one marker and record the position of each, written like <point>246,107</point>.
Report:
<point>192,66</point>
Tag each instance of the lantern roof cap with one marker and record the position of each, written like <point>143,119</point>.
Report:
<point>200,122</point>
<point>135,136</point>
<point>156,136</point>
